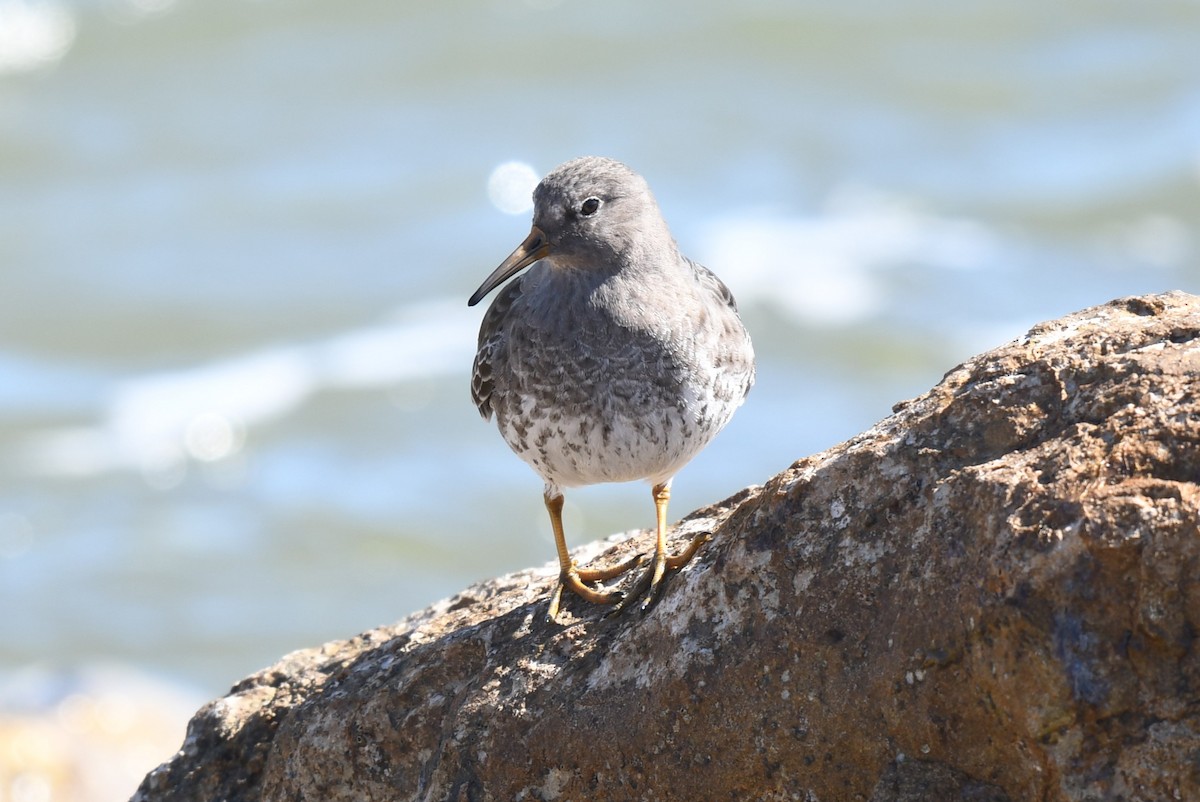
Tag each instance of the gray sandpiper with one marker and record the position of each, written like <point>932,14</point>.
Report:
<point>614,358</point>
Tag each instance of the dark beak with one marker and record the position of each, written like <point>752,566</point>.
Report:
<point>532,249</point>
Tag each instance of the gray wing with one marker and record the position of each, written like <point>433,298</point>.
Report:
<point>708,279</point>
<point>492,334</point>
<point>738,359</point>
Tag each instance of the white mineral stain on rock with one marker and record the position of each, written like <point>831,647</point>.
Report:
<point>837,509</point>
<point>556,780</point>
<point>802,580</point>
<point>855,552</point>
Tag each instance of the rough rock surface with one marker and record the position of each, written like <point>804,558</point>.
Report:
<point>993,594</point>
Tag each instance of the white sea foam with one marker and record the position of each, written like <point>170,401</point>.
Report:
<point>826,269</point>
<point>155,423</point>
<point>820,270</point>
<point>431,338</point>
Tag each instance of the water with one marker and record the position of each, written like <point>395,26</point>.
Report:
<point>237,238</point>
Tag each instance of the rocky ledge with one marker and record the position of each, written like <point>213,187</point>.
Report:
<point>993,594</point>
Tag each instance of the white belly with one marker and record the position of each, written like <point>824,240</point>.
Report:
<point>606,445</point>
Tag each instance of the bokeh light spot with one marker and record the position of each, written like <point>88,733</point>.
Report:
<point>210,437</point>
<point>33,34</point>
<point>510,187</point>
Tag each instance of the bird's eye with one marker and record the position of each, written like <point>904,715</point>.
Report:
<point>589,207</point>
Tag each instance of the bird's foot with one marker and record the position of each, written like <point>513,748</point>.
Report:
<point>612,571</point>
<point>649,584</point>
<point>576,578</point>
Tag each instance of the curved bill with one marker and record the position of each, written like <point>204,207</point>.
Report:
<point>532,249</point>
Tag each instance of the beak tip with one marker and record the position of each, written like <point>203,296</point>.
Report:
<point>531,250</point>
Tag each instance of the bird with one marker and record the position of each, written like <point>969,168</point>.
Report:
<point>611,358</point>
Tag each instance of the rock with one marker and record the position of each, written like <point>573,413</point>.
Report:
<point>990,595</point>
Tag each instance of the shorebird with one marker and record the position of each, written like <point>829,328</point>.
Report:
<point>614,358</point>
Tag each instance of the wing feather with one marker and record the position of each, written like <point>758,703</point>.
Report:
<point>492,335</point>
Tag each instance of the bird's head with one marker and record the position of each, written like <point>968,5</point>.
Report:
<point>592,213</point>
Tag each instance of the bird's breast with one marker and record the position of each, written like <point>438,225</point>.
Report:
<point>591,404</point>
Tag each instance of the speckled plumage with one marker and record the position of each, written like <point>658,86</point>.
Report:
<point>613,357</point>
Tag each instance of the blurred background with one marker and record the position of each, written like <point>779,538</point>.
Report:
<point>237,238</point>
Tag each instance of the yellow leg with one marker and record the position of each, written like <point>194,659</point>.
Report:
<point>574,577</point>
<point>649,585</point>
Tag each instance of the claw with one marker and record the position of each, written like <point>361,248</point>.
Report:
<point>555,598</point>
<point>571,579</point>
<point>649,585</point>
<point>612,572</point>
<point>576,578</point>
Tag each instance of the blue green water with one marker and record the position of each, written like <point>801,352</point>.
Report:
<point>237,238</point>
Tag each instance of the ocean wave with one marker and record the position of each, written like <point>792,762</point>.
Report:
<point>866,257</point>
<point>153,423</point>
<point>826,269</point>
